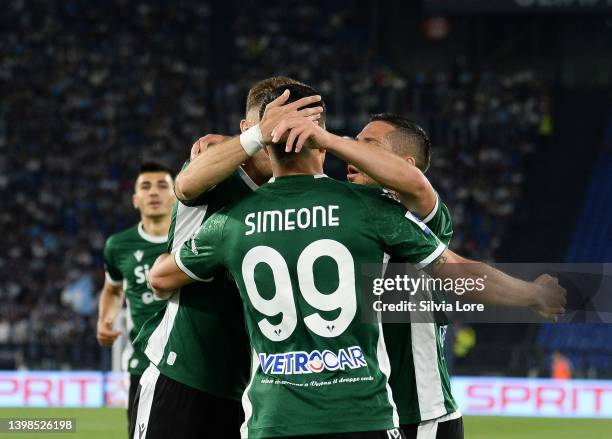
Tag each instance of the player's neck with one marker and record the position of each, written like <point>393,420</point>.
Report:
<point>297,169</point>
<point>156,226</point>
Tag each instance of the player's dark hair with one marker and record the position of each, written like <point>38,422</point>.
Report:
<point>413,139</point>
<point>296,92</point>
<point>153,166</point>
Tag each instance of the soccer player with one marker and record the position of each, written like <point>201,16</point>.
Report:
<point>420,384</point>
<point>198,348</point>
<point>295,248</point>
<point>128,256</point>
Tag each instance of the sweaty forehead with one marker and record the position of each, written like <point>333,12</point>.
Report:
<point>376,130</point>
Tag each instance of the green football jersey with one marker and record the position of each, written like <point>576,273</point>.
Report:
<point>420,381</point>
<point>128,256</point>
<point>296,248</point>
<point>200,339</point>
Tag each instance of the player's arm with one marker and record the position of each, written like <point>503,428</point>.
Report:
<point>111,297</point>
<point>218,162</point>
<point>209,168</point>
<point>409,240</point>
<point>166,277</point>
<point>544,294</point>
<point>193,262</point>
<point>392,172</point>
<point>109,305</point>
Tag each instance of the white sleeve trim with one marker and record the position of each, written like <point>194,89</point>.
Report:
<point>188,272</point>
<point>432,257</point>
<point>433,211</point>
<point>112,281</point>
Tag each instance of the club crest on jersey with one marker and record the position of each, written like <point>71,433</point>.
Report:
<point>300,362</point>
<point>138,254</point>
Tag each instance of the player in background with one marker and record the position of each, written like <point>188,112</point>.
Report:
<point>128,256</point>
<point>198,347</point>
<point>294,225</point>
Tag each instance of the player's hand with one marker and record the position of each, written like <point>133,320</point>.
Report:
<point>276,111</point>
<point>300,131</point>
<point>550,297</point>
<point>106,335</point>
<point>204,142</point>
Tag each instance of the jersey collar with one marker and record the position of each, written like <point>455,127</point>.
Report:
<point>273,179</point>
<point>247,180</point>
<point>151,238</point>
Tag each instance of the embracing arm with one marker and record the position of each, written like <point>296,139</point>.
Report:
<point>544,294</point>
<point>166,277</point>
<point>209,168</point>
<point>215,164</point>
<point>389,170</point>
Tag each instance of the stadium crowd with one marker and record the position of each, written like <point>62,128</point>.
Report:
<point>89,90</point>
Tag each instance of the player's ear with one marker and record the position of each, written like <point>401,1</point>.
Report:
<point>244,125</point>
<point>266,152</point>
<point>135,201</point>
<point>410,160</point>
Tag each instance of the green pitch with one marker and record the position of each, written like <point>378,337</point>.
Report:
<point>484,427</point>
<point>111,424</point>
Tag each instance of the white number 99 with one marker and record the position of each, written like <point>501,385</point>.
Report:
<point>283,302</point>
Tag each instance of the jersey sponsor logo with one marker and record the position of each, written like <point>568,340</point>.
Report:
<point>138,254</point>
<point>300,362</point>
